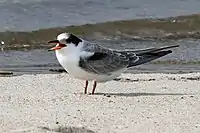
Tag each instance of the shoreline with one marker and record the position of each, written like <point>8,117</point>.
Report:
<point>161,29</point>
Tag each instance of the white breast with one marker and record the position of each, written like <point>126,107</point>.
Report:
<point>69,59</point>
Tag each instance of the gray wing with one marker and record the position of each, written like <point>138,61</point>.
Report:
<point>103,61</point>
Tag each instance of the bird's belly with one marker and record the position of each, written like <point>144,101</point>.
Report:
<point>73,69</point>
<point>77,72</point>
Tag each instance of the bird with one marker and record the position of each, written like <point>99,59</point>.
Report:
<point>93,62</point>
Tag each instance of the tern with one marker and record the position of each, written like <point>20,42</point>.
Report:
<point>92,62</point>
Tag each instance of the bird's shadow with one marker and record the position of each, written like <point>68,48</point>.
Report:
<point>132,80</point>
<point>142,94</point>
<point>68,129</point>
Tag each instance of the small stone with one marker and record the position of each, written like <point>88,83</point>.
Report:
<point>2,42</point>
<point>57,122</point>
<point>191,96</point>
<point>110,101</point>
<point>117,79</point>
<point>182,97</point>
<point>9,97</point>
<point>151,79</point>
<point>6,73</point>
<point>127,79</point>
<point>108,96</point>
<point>174,21</point>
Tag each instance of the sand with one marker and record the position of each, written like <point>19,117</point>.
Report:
<point>134,103</point>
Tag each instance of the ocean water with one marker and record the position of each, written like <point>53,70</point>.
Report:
<point>26,15</point>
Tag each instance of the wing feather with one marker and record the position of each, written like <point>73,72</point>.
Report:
<point>103,61</point>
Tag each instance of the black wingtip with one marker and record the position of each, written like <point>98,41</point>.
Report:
<point>169,51</point>
<point>165,52</point>
<point>159,53</point>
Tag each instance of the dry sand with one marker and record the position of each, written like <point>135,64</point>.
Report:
<point>135,103</point>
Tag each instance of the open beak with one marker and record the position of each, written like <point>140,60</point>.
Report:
<point>58,46</point>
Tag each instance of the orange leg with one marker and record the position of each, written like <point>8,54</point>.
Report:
<point>86,85</point>
<point>94,87</point>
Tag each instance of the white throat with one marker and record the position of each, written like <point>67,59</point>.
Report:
<point>68,53</point>
<point>69,56</point>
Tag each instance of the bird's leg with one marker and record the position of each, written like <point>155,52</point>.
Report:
<point>94,87</point>
<point>86,85</point>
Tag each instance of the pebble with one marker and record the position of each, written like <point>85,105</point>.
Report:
<point>2,42</point>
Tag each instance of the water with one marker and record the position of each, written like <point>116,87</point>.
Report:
<point>41,61</point>
<point>35,14</point>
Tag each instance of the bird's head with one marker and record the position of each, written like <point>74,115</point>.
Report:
<point>64,40</point>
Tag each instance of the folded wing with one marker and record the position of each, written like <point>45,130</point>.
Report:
<point>147,55</point>
<point>106,61</point>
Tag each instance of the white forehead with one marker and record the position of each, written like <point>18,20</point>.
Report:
<point>62,36</point>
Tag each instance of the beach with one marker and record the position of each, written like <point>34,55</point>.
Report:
<point>132,103</point>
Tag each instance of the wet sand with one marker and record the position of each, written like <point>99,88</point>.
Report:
<point>141,103</point>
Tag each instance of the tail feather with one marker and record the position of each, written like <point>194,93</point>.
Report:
<point>147,57</point>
